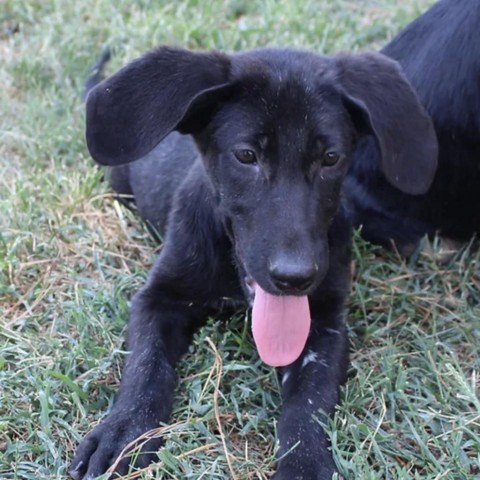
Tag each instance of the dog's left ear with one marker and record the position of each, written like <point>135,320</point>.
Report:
<point>382,101</point>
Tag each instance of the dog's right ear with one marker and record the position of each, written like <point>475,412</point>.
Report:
<point>129,113</point>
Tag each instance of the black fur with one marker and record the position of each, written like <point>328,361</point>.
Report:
<point>440,55</point>
<point>225,221</point>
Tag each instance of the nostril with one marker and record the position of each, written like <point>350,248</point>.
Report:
<point>293,277</point>
<point>305,284</point>
<point>292,284</point>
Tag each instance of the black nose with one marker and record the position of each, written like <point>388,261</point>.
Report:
<point>293,277</point>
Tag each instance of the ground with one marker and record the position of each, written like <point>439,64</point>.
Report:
<point>71,257</point>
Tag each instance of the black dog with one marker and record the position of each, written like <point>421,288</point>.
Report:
<point>440,55</point>
<point>250,207</point>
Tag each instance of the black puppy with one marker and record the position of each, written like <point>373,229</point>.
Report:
<point>440,55</point>
<point>250,208</point>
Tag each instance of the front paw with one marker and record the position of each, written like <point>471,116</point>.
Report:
<point>103,445</point>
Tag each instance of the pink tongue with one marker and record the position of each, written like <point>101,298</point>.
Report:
<point>280,327</point>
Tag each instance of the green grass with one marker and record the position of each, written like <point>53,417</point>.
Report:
<point>70,258</point>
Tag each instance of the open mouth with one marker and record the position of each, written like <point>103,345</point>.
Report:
<point>280,324</point>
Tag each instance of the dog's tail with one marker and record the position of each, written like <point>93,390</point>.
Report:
<point>118,177</point>
<point>96,73</point>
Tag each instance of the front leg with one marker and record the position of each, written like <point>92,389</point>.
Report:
<point>310,390</point>
<point>159,332</point>
<point>193,272</point>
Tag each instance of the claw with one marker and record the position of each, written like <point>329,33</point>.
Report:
<point>75,472</point>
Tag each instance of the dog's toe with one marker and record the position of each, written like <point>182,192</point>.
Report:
<point>106,447</point>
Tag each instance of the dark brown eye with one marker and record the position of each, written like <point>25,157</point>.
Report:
<point>245,156</point>
<point>330,158</point>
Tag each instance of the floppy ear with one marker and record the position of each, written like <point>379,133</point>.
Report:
<point>129,113</point>
<point>382,102</point>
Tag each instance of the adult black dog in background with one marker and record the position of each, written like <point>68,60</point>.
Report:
<point>250,207</point>
<point>440,55</point>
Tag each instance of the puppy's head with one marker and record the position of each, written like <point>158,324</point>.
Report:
<point>276,130</point>
<point>276,151</point>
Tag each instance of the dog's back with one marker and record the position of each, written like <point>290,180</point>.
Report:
<point>154,179</point>
<point>440,54</point>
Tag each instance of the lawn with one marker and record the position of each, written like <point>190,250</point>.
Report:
<point>71,257</point>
